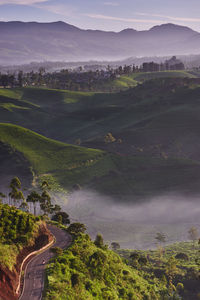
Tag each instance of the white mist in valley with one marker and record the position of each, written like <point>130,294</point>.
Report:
<point>134,225</point>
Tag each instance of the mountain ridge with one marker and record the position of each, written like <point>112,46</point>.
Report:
<point>23,42</point>
<point>64,24</point>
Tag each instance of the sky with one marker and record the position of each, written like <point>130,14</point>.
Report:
<point>109,15</point>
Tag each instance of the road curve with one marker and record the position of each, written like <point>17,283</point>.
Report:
<point>34,275</point>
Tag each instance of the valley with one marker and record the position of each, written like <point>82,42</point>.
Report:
<point>125,163</point>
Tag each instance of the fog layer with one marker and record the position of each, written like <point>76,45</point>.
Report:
<point>134,225</point>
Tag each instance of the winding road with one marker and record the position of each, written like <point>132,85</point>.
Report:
<point>35,271</point>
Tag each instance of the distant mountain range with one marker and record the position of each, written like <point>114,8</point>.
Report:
<point>25,42</point>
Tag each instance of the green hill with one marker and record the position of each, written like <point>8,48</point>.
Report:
<point>68,116</point>
<point>118,176</point>
<point>125,82</point>
<point>46,156</point>
<point>86,271</point>
<point>155,127</point>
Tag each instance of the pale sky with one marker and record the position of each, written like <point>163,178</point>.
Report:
<point>107,15</point>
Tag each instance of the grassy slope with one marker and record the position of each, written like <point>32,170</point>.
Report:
<point>100,273</point>
<point>125,82</point>
<point>110,174</point>
<point>158,123</point>
<point>67,116</point>
<point>140,77</point>
<point>47,156</point>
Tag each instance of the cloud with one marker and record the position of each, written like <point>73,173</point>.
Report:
<point>129,20</point>
<point>182,19</point>
<point>111,3</point>
<point>61,9</point>
<point>21,2</point>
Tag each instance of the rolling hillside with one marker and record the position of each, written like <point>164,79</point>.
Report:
<point>124,178</point>
<point>155,130</point>
<point>68,116</point>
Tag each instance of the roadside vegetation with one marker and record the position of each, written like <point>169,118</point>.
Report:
<point>17,230</point>
<point>89,270</point>
<point>20,222</point>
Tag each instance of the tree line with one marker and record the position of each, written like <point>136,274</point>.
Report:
<point>29,203</point>
<point>81,80</point>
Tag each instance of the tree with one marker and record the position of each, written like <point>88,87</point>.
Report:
<point>61,217</point>
<point>45,203</point>
<point>15,193</point>
<point>160,237</point>
<point>20,78</point>
<point>24,207</point>
<point>99,241</point>
<point>4,80</point>
<point>1,197</point>
<point>15,183</point>
<point>115,246</point>
<point>57,208</point>
<point>193,234</point>
<point>34,198</point>
<point>45,186</point>
<point>76,228</point>
<point>109,138</point>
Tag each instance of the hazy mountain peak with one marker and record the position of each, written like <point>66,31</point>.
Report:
<point>128,31</point>
<point>170,27</point>
<point>33,41</point>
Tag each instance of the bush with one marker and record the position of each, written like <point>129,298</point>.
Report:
<point>182,256</point>
<point>134,256</point>
<point>61,217</point>
<point>57,251</point>
<point>76,228</point>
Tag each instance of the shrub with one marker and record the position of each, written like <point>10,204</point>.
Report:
<point>76,228</point>
<point>57,251</point>
<point>61,217</point>
<point>182,256</point>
